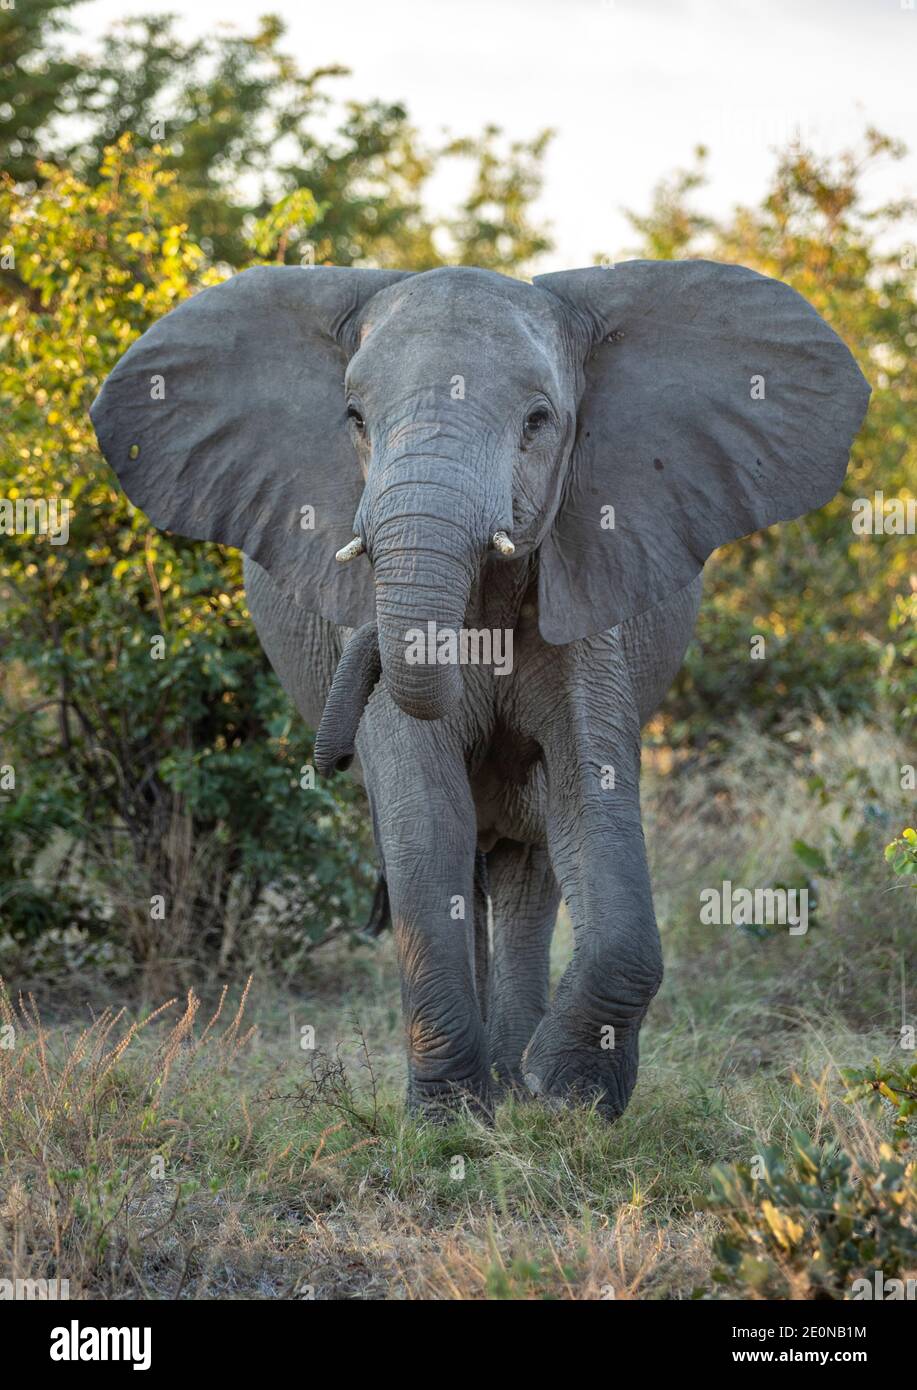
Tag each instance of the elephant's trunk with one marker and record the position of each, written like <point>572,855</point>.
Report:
<point>423,555</point>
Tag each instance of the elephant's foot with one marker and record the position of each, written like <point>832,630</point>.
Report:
<point>506,1062</point>
<point>573,1063</point>
<point>448,1067</point>
<point>509,1083</point>
<point>440,1100</point>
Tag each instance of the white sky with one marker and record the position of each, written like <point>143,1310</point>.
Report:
<point>631,86</point>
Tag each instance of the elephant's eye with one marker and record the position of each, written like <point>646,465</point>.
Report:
<point>535,421</point>
<point>356,419</point>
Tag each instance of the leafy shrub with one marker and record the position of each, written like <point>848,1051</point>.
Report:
<point>808,1226</point>
<point>154,753</point>
<point>835,607</point>
<point>882,1086</point>
<point>901,854</point>
<point>176,776</point>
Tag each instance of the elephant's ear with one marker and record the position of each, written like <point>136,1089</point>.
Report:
<point>226,421</point>
<point>716,401</point>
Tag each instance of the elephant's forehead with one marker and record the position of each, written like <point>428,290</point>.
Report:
<point>446,323</point>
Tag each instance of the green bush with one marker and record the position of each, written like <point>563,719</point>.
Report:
<point>150,751</point>
<point>811,1225</point>
<point>160,809</point>
<point>836,607</point>
<point>901,854</point>
<point>136,777</point>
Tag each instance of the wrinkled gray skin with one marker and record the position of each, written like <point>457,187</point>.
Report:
<point>454,758</point>
<point>457,760</point>
<point>479,776</point>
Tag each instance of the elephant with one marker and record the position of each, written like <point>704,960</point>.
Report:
<point>455,451</point>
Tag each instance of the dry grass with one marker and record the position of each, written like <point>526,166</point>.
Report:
<point>201,1154</point>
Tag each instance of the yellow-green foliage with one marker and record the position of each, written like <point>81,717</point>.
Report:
<point>176,776</point>
<point>838,609</point>
<point>814,1224</point>
<point>180,776</point>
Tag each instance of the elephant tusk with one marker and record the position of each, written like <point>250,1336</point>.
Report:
<point>501,541</point>
<point>351,550</point>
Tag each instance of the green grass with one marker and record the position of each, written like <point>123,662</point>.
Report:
<point>232,1163</point>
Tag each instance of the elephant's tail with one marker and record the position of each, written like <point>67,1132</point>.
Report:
<point>380,914</point>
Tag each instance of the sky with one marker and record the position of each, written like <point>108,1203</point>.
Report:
<point>629,86</point>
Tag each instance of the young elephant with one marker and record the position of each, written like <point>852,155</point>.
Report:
<point>550,463</point>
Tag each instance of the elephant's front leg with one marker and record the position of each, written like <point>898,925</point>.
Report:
<point>425,827</point>
<point>587,1045</point>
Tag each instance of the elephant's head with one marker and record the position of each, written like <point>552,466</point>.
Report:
<point>621,422</point>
